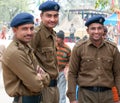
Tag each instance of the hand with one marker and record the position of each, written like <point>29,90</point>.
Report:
<point>74,101</point>
<point>40,72</point>
<point>66,72</point>
<point>43,76</point>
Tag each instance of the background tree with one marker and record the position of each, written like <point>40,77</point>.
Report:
<point>101,4</point>
<point>109,5</point>
<point>9,8</point>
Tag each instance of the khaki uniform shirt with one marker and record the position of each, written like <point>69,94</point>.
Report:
<point>19,70</point>
<point>93,66</point>
<point>44,44</point>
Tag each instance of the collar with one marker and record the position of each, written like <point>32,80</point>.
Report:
<point>47,31</point>
<point>91,43</point>
<point>24,47</point>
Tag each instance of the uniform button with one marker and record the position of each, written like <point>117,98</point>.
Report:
<point>88,60</point>
<point>98,67</point>
<point>108,60</point>
<point>99,77</point>
<point>98,58</point>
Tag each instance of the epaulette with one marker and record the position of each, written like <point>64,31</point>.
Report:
<point>20,46</point>
<point>37,29</point>
<point>80,42</point>
<point>111,43</point>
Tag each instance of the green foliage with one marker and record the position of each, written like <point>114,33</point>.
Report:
<point>101,4</point>
<point>9,8</point>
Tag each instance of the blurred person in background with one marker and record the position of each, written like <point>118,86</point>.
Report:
<point>63,56</point>
<point>72,31</point>
<point>2,49</point>
<point>114,89</point>
<point>3,32</point>
<point>105,36</point>
<point>37,23</point>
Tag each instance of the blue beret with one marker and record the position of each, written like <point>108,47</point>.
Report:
<point>49,6</point>
<point>95,19</point>
<point>22,18</point>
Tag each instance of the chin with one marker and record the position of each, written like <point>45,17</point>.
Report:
<point>51,27</point>
<point>28,40</point>
<point>97,39</point>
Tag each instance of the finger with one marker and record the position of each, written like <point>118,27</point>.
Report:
<point>41,70</point>
<point>37,69</point>
<point>39,76</point>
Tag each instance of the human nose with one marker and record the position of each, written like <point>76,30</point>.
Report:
<point>52,18</point>
<point>29,31</point>
<point>96,30</point>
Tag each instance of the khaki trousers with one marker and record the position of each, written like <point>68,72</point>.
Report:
<point>50,95</point>
<point>87,96</point>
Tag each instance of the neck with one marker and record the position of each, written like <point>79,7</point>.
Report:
<point>97,43</point>
<point>50,29</point>
<point>61,44</point>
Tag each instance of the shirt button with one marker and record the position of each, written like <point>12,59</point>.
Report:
<point>99,68</point>
<point>98,58</point>
<point>99,77</point>
<point>108,60</point>
<point>88,60</point>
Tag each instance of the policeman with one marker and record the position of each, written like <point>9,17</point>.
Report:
<point>23,77</point>
<point>44,44</point>
<point>94,66</point>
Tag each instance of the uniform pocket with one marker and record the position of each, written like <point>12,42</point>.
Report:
<point>87,63</point>
<point>48,53</point>
<point>107,62</point>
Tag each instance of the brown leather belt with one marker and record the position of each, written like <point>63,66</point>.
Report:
<point>96,88</point>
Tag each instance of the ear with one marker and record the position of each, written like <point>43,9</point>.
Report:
<point>87,30</point>
<point>14,30</point>
<point>41,15</point>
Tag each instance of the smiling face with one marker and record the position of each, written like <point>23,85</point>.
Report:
<point>24,32</point>
<point>95,31</point>
<point>50,18</point>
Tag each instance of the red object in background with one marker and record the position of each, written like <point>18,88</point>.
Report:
<point>3,32</point>
<point>115,94</point>
<point>112,3</point>
<point>66,39</point>
<point>118,22</point>
<point>3,35</point>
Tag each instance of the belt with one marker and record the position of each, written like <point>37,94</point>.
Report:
<point>31,99</point>
<point>97,88</point>
<point>53,83</point>
<point>16,99</point>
